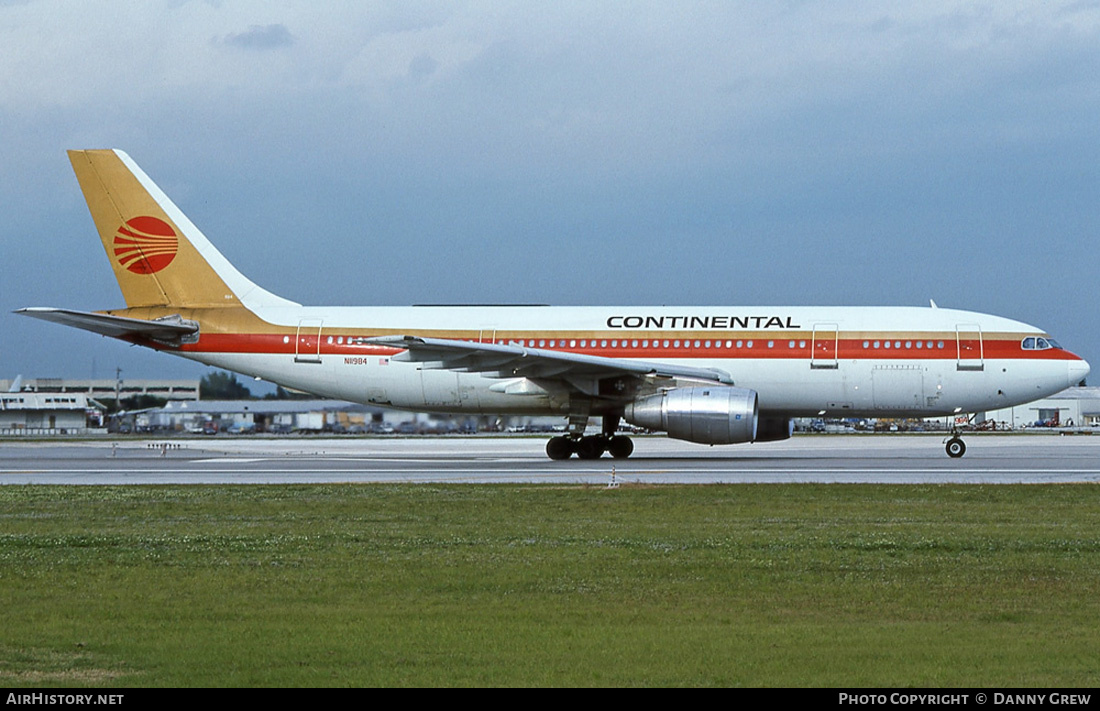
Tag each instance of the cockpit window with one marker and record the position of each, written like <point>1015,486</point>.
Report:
<point>1036,343</point>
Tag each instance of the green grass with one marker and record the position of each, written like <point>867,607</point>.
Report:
<point>756,585</point>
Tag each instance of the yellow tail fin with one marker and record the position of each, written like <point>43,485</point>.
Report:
<point>159,257</point>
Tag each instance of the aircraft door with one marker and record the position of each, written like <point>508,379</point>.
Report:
<point>307,341</point>
<point>968,340</point>
<point>823,347</point>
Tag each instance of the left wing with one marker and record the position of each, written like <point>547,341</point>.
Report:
<point>495,360</point>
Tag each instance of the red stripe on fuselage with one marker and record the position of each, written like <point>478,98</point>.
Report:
<point>780,348</point>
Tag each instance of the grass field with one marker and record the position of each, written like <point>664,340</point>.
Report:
<point>755,585</point>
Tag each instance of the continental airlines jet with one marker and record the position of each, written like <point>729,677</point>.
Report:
<point>708,375</point>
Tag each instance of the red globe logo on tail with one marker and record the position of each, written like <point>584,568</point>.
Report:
<point>145,245</point>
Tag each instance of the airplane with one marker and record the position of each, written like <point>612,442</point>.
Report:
<point>709,375</point>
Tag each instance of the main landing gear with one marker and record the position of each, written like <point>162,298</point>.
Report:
<point>591,446</point>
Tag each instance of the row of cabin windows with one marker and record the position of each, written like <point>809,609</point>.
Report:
<point>674,343</point>
<point>920,345</point>
<point>593,343</point>
<point>1028,343</point>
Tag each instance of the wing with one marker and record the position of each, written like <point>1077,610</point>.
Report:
<point>171,329</point>
<point>584,373</point>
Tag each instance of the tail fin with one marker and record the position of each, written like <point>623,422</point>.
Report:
<point>159,257</point>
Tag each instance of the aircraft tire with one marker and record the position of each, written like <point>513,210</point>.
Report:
<point>955,448</point>
<point>559,448</point>
<point>591,447</point>
<point>620,447</point>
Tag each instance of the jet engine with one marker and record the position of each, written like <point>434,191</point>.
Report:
<point>706,415</point>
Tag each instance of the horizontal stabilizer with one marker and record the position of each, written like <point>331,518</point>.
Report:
<point>169,328</point>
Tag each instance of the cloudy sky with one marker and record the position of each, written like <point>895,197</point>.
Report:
<point>748,153</point>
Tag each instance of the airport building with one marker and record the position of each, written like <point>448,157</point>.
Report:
<point>107,388</point>
<point>246,416</point>
<point>1073,407</point>
<point>308,416</point>
<point>31,414</point>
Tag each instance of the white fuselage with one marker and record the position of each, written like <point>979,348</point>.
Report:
<point>802,361</point>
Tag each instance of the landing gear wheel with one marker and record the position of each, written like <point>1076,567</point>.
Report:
<point>620,447</point>
<point>558,448</point>
<point>591,447</point>
<point>955,448</point>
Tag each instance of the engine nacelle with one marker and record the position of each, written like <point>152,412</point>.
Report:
<point>707,415</point>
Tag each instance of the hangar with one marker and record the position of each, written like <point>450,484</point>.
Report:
<point>28,413</point>
<point>1073,407</point>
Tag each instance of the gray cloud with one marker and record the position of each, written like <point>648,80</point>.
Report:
<point>261,37</point>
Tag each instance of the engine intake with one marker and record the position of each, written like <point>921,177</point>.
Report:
<point>706,415</point>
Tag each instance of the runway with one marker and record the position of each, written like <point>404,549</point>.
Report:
<point>896,459</point>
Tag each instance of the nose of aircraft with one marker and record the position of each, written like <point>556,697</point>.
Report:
<point>1077,370</point>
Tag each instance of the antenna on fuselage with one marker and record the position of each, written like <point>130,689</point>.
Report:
<point>932,302</point>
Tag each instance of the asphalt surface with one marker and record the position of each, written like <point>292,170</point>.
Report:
<point>990,459</point>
